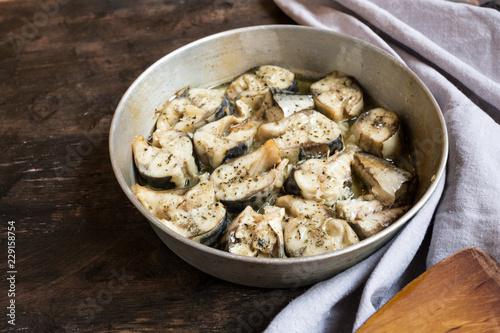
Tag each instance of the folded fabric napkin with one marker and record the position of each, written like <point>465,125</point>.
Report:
<point>453,47</point>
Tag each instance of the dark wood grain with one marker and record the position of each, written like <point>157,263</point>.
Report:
<point>86,260</point>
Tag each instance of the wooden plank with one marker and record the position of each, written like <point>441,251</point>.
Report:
<point>459,294</point>
<point>59,87</point>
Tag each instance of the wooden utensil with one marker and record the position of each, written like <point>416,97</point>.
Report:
<point>459,294</point>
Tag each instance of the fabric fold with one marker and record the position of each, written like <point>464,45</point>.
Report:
<point>453,48</point>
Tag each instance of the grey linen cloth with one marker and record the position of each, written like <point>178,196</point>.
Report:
<point>454,47</point>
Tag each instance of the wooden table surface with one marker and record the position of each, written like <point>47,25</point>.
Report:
<point>85,259</point>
